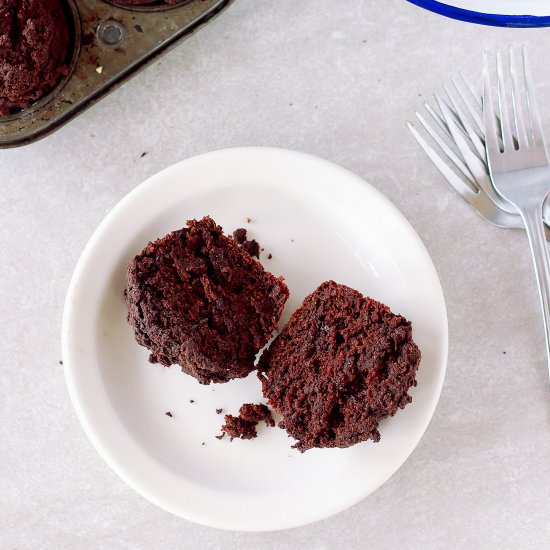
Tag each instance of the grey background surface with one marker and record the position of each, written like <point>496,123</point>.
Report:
<point>338,80</point>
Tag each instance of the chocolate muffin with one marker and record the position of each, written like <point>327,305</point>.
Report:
<point>196,299</point>
<point>341,364</point>
<point>34,42</point>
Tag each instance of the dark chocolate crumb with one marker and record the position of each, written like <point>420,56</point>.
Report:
<point>191,400</point>
<point>262,249</point>
<point>219,411</point>
<point>502,352</point>
<point>168,413</point>
<point>138,28</point>
<point>143,154</point>
<point>203,443</point>
<point>248,220</point>
<point>244,425</point>
<point>237,427</point>
<point>257,413</point>
<point>240,235</point>
<point>221,436</point>
<point>252,247</point>
<point>61,361</point>
<point>270,256</point>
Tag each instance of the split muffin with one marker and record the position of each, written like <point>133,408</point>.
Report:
<point>340,365</point>
<point>196,299</point>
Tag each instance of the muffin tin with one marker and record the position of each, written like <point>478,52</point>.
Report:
<point>110,43</point>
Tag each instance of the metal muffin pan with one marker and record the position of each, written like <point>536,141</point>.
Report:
<point>111,43</point>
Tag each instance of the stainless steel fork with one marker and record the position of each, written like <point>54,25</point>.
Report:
<point>465,151</point>
<point>465,186</point>
<point>519,167</point>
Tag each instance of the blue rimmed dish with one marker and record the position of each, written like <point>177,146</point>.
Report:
<point>500,13</point>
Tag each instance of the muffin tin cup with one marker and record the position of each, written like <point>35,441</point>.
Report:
<point>110,44</point>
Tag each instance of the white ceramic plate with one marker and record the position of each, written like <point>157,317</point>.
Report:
<point>504,13</point>
<point>319,222</point>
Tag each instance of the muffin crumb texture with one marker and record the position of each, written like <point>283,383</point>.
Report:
<point>198,300</point>
<point>251,246</point>
<point>244,425</point>
<point>341,364</point>
<point>34,43</point>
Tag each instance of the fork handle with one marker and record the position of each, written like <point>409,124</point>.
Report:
<point>532,217</point>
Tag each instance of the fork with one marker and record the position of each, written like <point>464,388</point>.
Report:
<point>520,168</point>
<point>469,191</point>
<point>473,184</point>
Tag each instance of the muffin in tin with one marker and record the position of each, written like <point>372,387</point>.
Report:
<point>35,41</point>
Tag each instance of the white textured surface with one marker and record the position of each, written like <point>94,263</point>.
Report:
<point>336,79</point>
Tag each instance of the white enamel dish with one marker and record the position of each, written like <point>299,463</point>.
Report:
<point>319,222</point>
<point>503,13</point>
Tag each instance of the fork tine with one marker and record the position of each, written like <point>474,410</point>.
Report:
<point>461,187</point>
<point>506,129</point>
<point>476,141</point>
<point>474,108</point>
<point>439,121</point>
<point>476,166</point>
<point>478,98</point>
<point>460,142</point>
<point>491,137</point>
<point>516,101</point>
<point>446,149</point>
<point>536,122</point>
<point>454,116</point>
